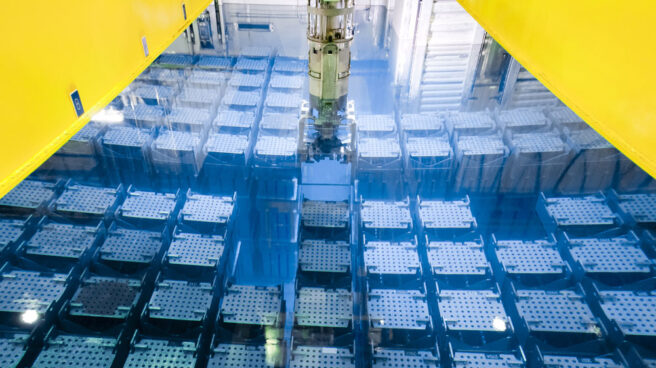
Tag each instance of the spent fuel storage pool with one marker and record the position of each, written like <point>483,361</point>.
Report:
<point>459,215</point>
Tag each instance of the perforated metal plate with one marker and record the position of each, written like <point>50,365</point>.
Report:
<point>147,114</point>
<point>257,65</point>
<point>457,258</point>
<point>126,136</point>
<point>472,310</point>
<point>125,245</point>
<point>152,92</point>
<point>579,211</point>
<point>422,123</point>
<point>85,199</point>
<point>83,142</point>
<point>564,115</point>
<point>10,231</point>
<point>470,121</point>
<point>529,257</point>
<point>177,141</point>
<point>237,355</point>
<point>247,80</point>
<point>207,208</point>
<point>269,145</point>
<point>106,297</point>
<point>284,100</point>
<point>241,98</point>
<point>285,122</point>
<point>176,59</point>
<point>481,145</point>
<point>215,62</point>
<point>195,250</point>
<point>387,148</point>
<point>290,65</point>
<point>286,81</point>
<point>398,309</point>
<point>388,258</point>
<point>522,118</point>
<point>198,96</point>
<point>61,240</point>
<point>180,300</point>
<point>446,214</point>
<point>588,139</point>
<point>610,255</point>
<point>77,351</point>
<point>235,119</point>
<point>161,354</point>
<point>12,349</point>
<point>385,215</point>
<point>29,194</point>
<point>318,307</point>
<point>324,256</point>
<point>376,123</point>
<point>194,118</point>
<point>560,361</point>
<point>394,358</point>
<point>485,360</point>
<point>325,214</point>
<point>207,79</point>
<point>428,147</point>
<point>234,144</point>
<point>26,290</point>
<point>538,142</point>
<point>633,311</point>
<point>251,305</point>
<point>641,207</point>
<point>555,311</point>
<point>148,205</point>
<point>315,357</point>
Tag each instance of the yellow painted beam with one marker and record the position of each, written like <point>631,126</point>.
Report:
<point>597,56</point>
<point>52,48</point>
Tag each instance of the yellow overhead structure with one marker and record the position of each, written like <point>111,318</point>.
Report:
<point>86,51</point>
<point>596,56</point>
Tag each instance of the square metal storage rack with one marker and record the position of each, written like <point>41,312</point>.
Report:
<point>630,314</point>
<point>12,348</point>
<point>577,215</point>
<point>176,60</point>
<point>392,358</point>
<point>242,100</point>
<point>238,355</point>
<point>227,149</point>
<point>376,125</point>
<point>638,208</point>
<point>64,241</point>
<point>142,207</point>
<point>77,351</point>
<point>386,218</point>
<point>283,81</point>
<point>163,76</point>
<point>422,125</point>
<point>207,79</point>
<point>283,101</point>
<point>81,201</point>
<point>11,232</point>
<point>458,260</point>
<point>525,119</point>
<point>162,354</point>
<point>234,121</point>
<point>147,116</point>
<point>27,290</point>
<point>105,297</point>
<point>185,301</point>
<point>323,217</point>
<point>124,142</point>
<point>189,119</point>
<point>470,314</point>
<point>82,143</point>
<point>176,152</point>
<point>391,262</point>
<point>244,80</point>
<point>470,123</point>
<point>214,62</point>
<point>315,356</point>
<point>446,217</point>
<point>564,116</point>
<point>594,163</point>
<point>580,362</point>
<point>428,162</point>
<point>290,65</point>
<point>280,123</point>
<point>324,257</point>
<point>537,259</point>
<point>207,212</point>
<point>318,307</point>
<point>200,98</point>
<point>251,64</point>
<point>245,305</point>
<point>480,160</point>
<point>28,196</point>
<point>395,313</point>
<point>461,359</point>
<point>195,251</point>
<point>124,245</point>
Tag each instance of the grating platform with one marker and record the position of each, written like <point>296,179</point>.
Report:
<point>12,349</point>
<point>10,231</point>
<point>149,206</point>
<point>621,254</point>
<point>445,215</point>
<point>394,358</point>
<point>561,361</point>
<point>180,300</point>
<point>61,240</point>
<point>388,258</point>
<point>77,351</point>
<point>252,305</point>
<point>279,122</point>
<point>213,62</point>
<point>315,357</point>
<point>318,307</point>
<point>524,119</point>
<point>282,81</point>
<point>241,99</point>
<point>448,258</point>
<point>26,290</point>
<point>479,360</point>
<point>470,123</point>
<point>105,297</point>
<point>206,209</point>
<point>251,65</point>
<point>376,125</point>
<point>422,124</point>
<point>529,257</point>
<point>385,215</point>
<point>324,256</point>
<point>290,65</point>
<point>641,208</point>
<point>161,354</point>
<point>238,355</point>
<point>188,119</point>
<point>85,200</point>
<point>244,80</point>
<point>591,212</point>
<point>129,245</point>
<point>320,214</point>
<point>632,311</point>
<point>562,311</point>
<point>472,310</point>
<point>29,195</point>
<point>195,250</point>
<point>398,309</point>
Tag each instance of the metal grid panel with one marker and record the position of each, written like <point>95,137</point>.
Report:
<point>325,214</point>
<point>558,311</point>
<point>12,349</point>
<point>195,250</point>
<point>564,115</point>
<point>485,360</point>
<point>611,255</point>
<point>125,245</point>
<point>256,65</point>
<point>472,310</point>
<point>470,121</point>
<point>632,311</point>
<point>86,199</point>
<point>177,141</point>
<point>234,144</point>
<point>207,208</point>
<point>398,309</point>
<point>247,80</point>
<point>10,231</point>
<point>387,258</point>
<point>241,98</point>
<point>206,78</point>
<point>161,354</point>
<point>379,148</point>
<point>77,351</point>
<point>180,300</point>
<point>315,357</point>
<point>446,214</point>
<point>126,136</point>
<point>641,207</point>
<point>61,240</point>
<point>538,142</point>
<point>286,81</point>
<point>376,123</point>
<point>284,100</point>
<point>457,258</point>
<point>318,307</point>
<point>105,297</point>
<point>29,194</point>
<point>279,122</point>
<point>176,59</point>
<point>189,116</point>
<point>147,114</point>
<point>529,257</point>
<point>290,65</point>
<point>420,147</point>
<point>270,145</point>
<point>148,205</point>
<point>481,145</point>
<point>579,211</point>
<point>557,361</point>
<point>83,142</point>
<point>522,118</point>
<point>424,123</point>
<point>237,355</point>
<point>252,305</point>
<point>385,215</point>
<point>26,290</point>
<point>324,256</point>
<point>235,119</point>
<point>217,62</point>
<point>588,139</point>
<point>394,358</point>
